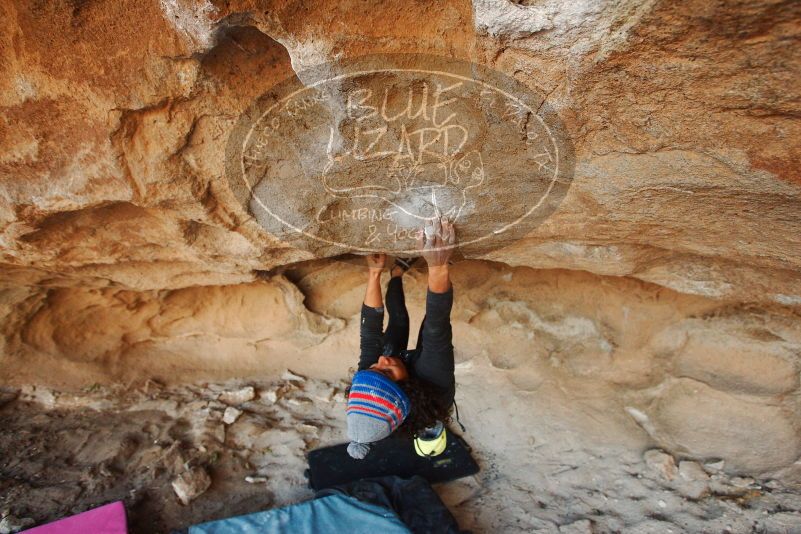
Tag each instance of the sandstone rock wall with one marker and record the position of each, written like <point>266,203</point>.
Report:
<point>701,379</point>
<point>668,284</point>
<point>683,117</point>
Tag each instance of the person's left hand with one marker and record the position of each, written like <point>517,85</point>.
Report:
<point>376,262</point>
<point>436,241</point>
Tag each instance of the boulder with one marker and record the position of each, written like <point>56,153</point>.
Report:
<point>732,357</point>
<point>749,433</point>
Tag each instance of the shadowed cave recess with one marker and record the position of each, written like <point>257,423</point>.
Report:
<point>627,359</point>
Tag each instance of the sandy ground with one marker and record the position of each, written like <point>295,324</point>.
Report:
<point>550,472</point>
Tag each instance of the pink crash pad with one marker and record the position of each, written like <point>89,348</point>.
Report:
<point>108,519</point>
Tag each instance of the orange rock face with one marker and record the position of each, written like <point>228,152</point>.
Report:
<point>683,120</point>
<point>125,251</point>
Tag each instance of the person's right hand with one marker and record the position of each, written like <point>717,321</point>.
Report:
<point>436,241</point>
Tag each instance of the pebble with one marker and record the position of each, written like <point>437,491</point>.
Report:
<point>721,486</point>
<point>11,524</point>
<point>230,415</point>
<point>693,482</point>
<point>662,463</point>
<point>191,484</point>
<point>238,396</point>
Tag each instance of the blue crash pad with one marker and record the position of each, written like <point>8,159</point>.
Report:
<point>333,514</point>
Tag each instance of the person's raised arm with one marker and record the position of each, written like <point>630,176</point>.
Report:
<point>436,243</point>
<point>372,316</point>
<point>375,265</point>
<point>435,362</point>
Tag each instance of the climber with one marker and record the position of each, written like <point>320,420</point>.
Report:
<point>395,388</point>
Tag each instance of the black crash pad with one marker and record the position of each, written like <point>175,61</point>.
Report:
<point>330,466</point>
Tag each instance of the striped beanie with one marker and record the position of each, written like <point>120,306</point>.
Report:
<point>376,407</point>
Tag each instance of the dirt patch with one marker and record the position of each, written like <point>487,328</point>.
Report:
<point>63,453</point>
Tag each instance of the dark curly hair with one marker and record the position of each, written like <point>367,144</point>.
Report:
<point>426,408</point>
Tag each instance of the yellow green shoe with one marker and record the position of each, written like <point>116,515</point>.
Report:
<point>432,441</point>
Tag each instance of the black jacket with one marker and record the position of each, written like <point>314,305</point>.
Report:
<point>432,360</point>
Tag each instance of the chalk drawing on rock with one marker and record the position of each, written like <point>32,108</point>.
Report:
<point>360,154</point>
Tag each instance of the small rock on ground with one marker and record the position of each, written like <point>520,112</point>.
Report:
<point>238,396</point>
<point>191,484</point>
<point>230,415</point>
<point>662,463</point>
